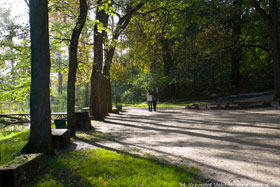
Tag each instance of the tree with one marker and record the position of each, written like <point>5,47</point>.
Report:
<point>73,65</point>
<point>95,92</point>
<point>40,140</point>
<point>236,48</point>
<point>272,23</point>
<point>14,60</point>
<point>109,53</point>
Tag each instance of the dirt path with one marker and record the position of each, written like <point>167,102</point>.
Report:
<point>235,147</point>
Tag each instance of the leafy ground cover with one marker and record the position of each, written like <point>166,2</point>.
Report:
<point>100,167</point>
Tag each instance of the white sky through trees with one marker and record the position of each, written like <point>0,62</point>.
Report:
<point>19,10</point>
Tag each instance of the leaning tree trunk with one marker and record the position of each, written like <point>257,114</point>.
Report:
<point>40,140</point>
<point>73,65</point>
<point>95,92</point>
<point>109,54</point>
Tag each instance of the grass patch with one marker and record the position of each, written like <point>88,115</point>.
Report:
<point>95,135</point>
<point>11,142</point>
<point>100,167</point>
<point>53,126</point>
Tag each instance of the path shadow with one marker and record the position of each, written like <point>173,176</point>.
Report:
<point>205,130</point>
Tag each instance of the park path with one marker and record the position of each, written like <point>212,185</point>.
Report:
<point>235,147</point>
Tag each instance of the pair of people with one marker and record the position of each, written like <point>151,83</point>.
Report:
<point>152,98</point>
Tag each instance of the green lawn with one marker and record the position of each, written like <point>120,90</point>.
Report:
<point>97,167</point>
<point>11,142</point>
<point>100,167</point>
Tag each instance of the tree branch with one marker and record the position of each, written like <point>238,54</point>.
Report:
<point>257,46</point>
<point>261,11</point>
<point>157,9</point>
<point>27,2</point>
<point>61,39</point>
<point>86,42</point>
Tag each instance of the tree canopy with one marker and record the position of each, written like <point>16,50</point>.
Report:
<point>187,49</point>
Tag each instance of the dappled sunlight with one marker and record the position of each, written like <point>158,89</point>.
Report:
<point>225,144</point>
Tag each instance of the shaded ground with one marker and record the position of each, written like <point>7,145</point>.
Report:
<point>235,147</point>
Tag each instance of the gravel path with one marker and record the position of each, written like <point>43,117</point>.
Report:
<point>234,147</point>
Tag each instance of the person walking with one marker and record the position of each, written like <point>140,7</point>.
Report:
<point>150,100</point>
<point>155,100</point>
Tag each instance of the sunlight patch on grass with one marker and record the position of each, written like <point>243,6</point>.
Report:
<point>96,122</point>
<point>100,167</point>
<point>11,142</point>
<point>53,126</point>
<point>90,135</point>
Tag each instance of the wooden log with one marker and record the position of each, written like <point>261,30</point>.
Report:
<point>21,169</point>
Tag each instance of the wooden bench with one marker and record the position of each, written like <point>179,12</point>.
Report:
<point>21,169</point>
<point>60,138</point>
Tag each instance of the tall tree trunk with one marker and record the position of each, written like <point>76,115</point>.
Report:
<point>106,83</point>
<point>86,101</point>
<point>73,65</point>
<point>236,46</point>
<point>109,54</point>
<point>167,65</point>
<point>60,76</point>
<point>275,44</point>
<point>166,56</point>
<point>60,82</point>
<point>95,93</point>
<point>271,21</point>
<point>40,140</point>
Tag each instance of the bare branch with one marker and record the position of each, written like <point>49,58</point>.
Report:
<point>261,11</point>
<point>27,2</point>
<point>257,46</point>
<point>61,39</point>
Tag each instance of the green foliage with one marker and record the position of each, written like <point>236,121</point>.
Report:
<point>200,45</point>
<point>197,36</point>
<point>13,108</point>
<point>100,167</point>
<point>14,60</point>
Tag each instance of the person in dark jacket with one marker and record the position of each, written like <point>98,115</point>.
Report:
<point>155,100</point>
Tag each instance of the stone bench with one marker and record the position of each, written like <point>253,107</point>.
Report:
<point>21,169</point>
<point>60,138</point>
